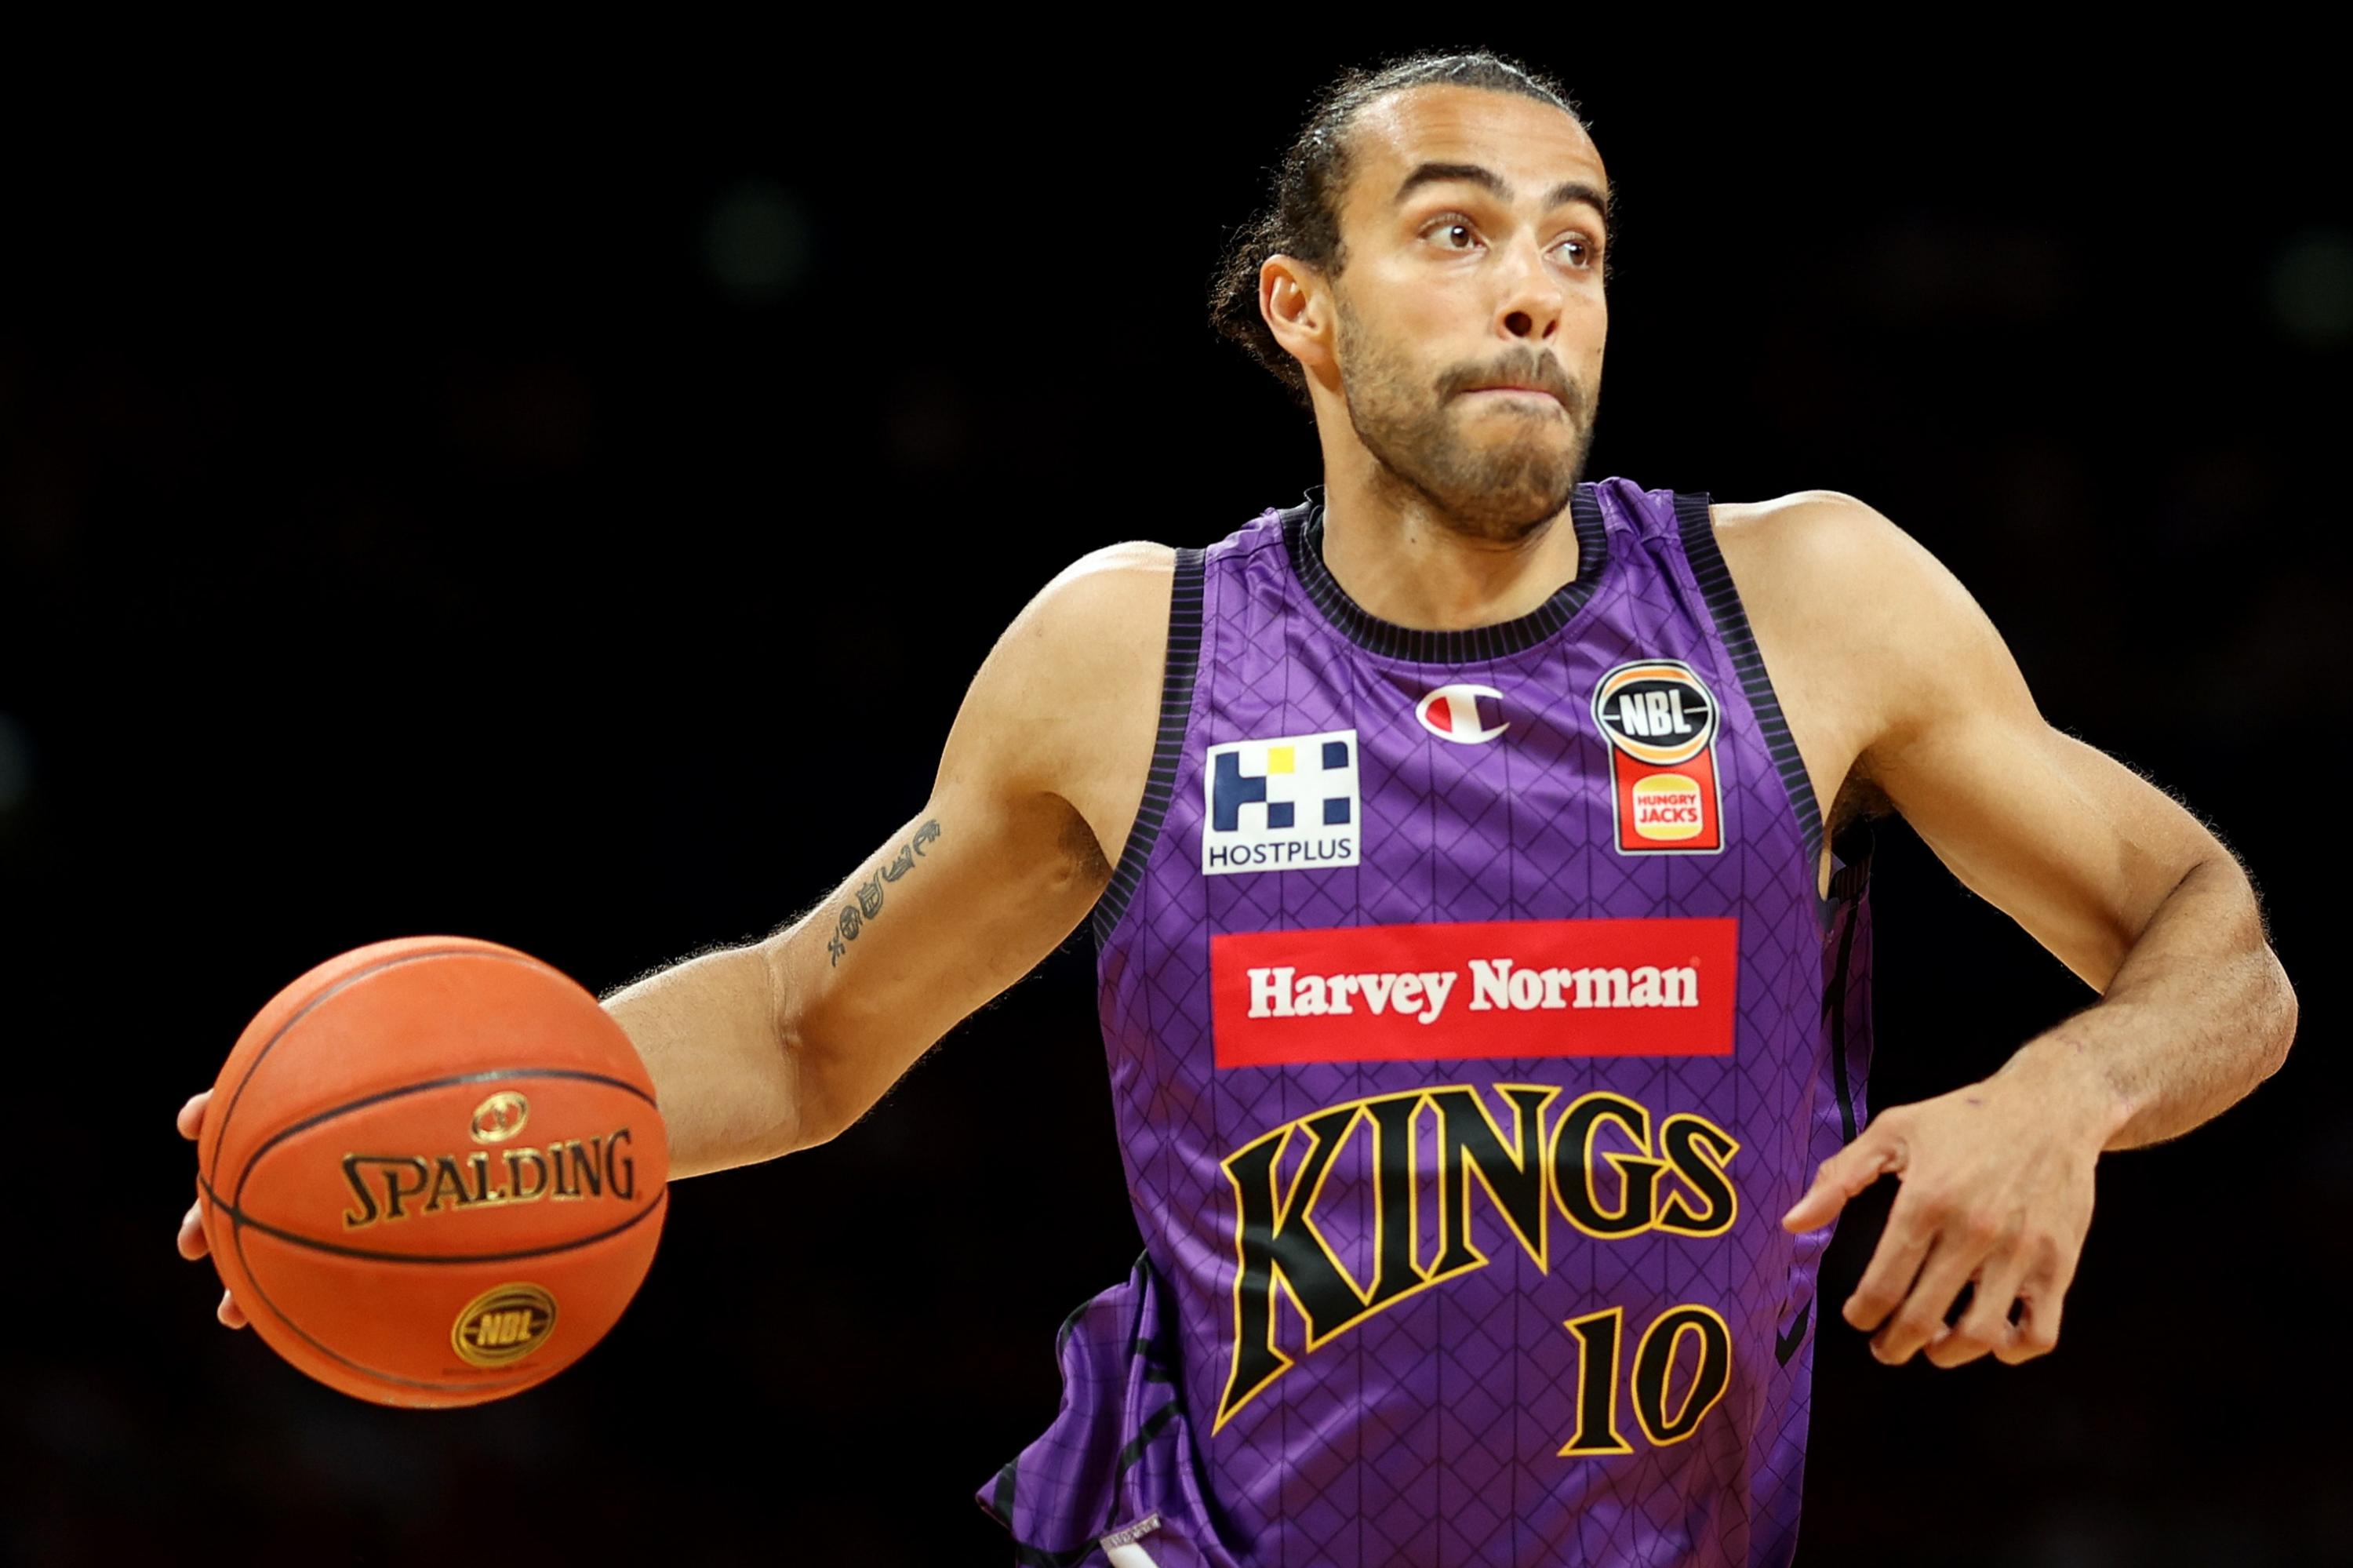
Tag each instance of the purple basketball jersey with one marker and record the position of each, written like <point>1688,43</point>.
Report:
<point>1472,1019</point>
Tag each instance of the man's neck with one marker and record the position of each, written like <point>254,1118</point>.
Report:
<point>1403,562</point>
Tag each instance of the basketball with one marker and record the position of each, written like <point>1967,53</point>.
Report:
<point>433,1172</point>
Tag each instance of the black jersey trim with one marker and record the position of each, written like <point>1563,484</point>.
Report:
<point>1834,1004</point>
<point>1302,537</point>
<point>1784,1344</point>
<point>1714,578</point>
<point>999,1507</point>
<point>1176,712</point>
<point>1848,884</point>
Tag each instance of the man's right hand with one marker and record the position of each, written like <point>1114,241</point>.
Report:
<point>193,1244</point>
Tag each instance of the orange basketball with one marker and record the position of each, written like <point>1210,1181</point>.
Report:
<point>432,1171</point>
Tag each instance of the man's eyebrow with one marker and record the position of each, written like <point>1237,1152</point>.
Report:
<point>1434,174</point>
<point>1567,193</point>
<point>1570,193</point>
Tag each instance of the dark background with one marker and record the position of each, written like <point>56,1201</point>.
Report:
<point>561,500</point>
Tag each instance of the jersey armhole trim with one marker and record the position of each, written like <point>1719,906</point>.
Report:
<point>1167,749</point>
<point>1694,521</point>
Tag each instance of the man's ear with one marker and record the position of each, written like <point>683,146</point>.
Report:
<point>1298,310</point>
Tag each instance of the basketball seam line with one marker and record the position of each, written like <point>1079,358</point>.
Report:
<point>486,1385</point>
<point>220,1134</point>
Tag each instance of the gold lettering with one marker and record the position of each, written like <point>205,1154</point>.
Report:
<point>620,1175</point>
<point>1699,1150</point>
<point>518,1162</point>
<point>1574,1162</point>
<point>447,1177</point>
<point>480,1163</point>
<point>587,1165</point>
<point>366,1215</point>
<point>567,1175</point>
<point>1671,1175</point>
<point>394,1189</point>
<point>387,1187</point>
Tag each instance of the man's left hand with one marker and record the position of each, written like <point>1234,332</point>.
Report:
<point>1997,1192</point>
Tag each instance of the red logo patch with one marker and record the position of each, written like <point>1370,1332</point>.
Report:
<point>1660,722</point>
<point>1480,989</point>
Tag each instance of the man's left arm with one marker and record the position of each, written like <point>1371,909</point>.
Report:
<point>2104,869</point>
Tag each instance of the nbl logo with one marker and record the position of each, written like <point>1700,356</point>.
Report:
<point>1291,803</point>
<point>1660,722</point>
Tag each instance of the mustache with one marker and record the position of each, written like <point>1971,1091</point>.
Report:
<point>1530,369</point>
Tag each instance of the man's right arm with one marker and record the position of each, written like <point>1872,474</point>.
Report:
<point>758,1051</point>
<point>765,1049</point>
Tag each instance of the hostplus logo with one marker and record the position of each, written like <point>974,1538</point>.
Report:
<point>1291,803</point>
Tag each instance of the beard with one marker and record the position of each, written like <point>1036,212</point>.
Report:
<point>1500,490</point>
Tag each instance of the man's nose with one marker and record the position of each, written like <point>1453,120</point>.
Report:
<point>1531,305</point>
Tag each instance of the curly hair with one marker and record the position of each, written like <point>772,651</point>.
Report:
<point>1301,216</point>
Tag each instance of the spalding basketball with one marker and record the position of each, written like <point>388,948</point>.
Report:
<point>432,1171</point>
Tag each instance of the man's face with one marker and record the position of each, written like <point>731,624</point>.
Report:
<point>1469,308</point>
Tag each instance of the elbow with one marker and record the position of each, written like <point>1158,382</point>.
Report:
<point>2270,1002</point>
<point>811,1115</point>
<point>2283,1012</point>
<point>801,1121</point>
<point>815,1121</point>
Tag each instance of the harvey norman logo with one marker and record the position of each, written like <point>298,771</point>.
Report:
<point>1287,804</point>
<point>1480,989</point>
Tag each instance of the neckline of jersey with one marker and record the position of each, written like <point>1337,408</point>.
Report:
<point>1303,538</point>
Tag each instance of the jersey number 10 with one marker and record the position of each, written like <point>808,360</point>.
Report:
<point>1600,1336</point>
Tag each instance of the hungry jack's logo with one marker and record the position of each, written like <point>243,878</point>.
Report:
<point>1660,722</point>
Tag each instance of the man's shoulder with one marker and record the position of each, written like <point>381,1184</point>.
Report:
<point>1119,593</point>
<point>1122,568</point>
<point>1825,548</point>
<point>1806,527</point>
<point>1067,703</point>
<point>1087,649</point>
<point>1850,604</point>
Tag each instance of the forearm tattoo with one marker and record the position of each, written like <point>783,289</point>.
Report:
<point>867,902</point>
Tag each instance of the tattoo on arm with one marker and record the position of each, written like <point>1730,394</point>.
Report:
<point>868,902</point>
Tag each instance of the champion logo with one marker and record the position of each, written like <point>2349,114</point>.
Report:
<point>1456,714</point>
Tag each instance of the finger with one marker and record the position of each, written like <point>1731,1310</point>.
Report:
<point>1843,1175</point>
<point>2036,1333</point>
<point>231,1315</point>
<point>192,1241</point>
<point>1956,1254</point>
<point>1984,1328</point>
<point>191,1119</point>
<point>1894,1265</point>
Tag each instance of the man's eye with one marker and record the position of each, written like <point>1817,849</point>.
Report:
<point>1453,234</point>
<point>1578,253</point>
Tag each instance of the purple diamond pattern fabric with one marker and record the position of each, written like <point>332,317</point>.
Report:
<point>1429,1429</point>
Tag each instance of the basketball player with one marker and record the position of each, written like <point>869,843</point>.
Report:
<point>1485,988</point>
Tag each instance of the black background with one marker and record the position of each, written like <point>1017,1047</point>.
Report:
<point>560,498</point>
